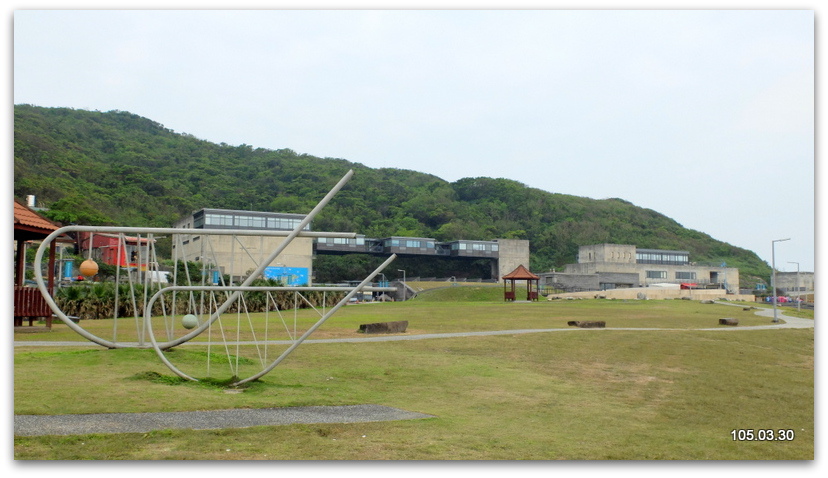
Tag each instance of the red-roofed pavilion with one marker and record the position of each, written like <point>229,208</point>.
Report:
<point>521,273</point>
<point>28,301</point>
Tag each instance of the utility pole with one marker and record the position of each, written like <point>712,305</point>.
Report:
<point>405,287</point>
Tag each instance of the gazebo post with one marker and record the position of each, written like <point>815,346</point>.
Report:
<point>529,293</point>
<point>20,263</point>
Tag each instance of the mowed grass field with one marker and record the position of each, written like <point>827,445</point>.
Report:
<point>573,394</point>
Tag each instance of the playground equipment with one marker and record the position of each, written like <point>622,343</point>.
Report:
<point>226,336</point>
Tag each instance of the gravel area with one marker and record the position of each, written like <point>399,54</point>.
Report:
<point>32,425</point>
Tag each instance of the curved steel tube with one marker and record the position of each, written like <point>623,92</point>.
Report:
<point>159,348</point>
<point>44,246</point>
<point>289,236</point>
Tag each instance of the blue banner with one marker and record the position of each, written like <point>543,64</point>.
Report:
<point>290,276</point>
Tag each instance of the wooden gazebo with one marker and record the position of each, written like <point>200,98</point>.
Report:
<point>521,273</point>
<point>28,301</point>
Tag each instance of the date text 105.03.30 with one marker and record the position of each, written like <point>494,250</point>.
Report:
<point>762,434</point>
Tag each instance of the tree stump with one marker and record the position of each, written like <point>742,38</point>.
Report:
<point>728,321</point>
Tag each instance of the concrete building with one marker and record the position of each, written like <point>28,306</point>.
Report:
<point>505,254</point>
<point>615,266</point>
<point>511,254</point>
<point>791,283</point>
<point>238,255</point>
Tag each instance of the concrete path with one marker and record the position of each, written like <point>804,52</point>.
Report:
<point>786,322</point>
<point>32,425</point>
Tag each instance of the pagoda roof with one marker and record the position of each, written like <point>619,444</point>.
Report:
<point>521,273</point>
<point>28,224</point>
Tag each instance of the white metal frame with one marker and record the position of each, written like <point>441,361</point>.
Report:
<point>145,323</point>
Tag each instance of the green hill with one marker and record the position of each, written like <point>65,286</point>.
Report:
<point>92,167</point>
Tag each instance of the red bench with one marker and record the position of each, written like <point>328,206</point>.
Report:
<point>29,304</point>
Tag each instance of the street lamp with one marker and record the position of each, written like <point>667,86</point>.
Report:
<point>405,287</point>
<point>798,293</point>
<point>384,283</point>
<point>773,275</point>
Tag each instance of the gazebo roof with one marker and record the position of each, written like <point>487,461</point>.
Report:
<point>521,273</point>
<point>29,225</point>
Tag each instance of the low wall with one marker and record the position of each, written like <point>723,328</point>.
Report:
<point>655,293</point>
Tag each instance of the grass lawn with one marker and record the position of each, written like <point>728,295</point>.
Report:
<point>578,395</point>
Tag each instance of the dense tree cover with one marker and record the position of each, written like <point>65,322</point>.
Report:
<point>115,167</point>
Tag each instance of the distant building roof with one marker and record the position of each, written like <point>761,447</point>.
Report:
<point>668,251</point>
<point>244,212</point>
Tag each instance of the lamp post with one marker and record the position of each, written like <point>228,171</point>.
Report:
<point>405,287</point>
<point>384,283</point>
<point>798,293</point>
<point>773,275</point>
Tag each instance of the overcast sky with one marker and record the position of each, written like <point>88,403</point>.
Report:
<point>704,116</point>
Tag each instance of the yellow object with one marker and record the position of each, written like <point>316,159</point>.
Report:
<point>89,268</point>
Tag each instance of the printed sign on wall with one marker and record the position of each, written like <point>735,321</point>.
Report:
<point>290,276</point>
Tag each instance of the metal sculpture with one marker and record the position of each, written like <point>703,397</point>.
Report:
<point>205,315</point>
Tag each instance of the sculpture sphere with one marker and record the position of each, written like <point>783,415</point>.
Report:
<point>189,321</point>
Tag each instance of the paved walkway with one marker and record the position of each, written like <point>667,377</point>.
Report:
<point>29,425</point>
<point>32,425</point>
<point>786,322</point>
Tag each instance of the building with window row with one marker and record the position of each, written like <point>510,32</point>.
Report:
<point>614,266</point>
<point>505,254</point>
<point>238,255</point>
<point>235,219</point>
<point>408,246</point>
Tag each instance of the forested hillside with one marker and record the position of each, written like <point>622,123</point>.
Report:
<point>118,168</point>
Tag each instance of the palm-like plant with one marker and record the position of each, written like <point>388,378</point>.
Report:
<point>102,300</point>
<point>70,299</point>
